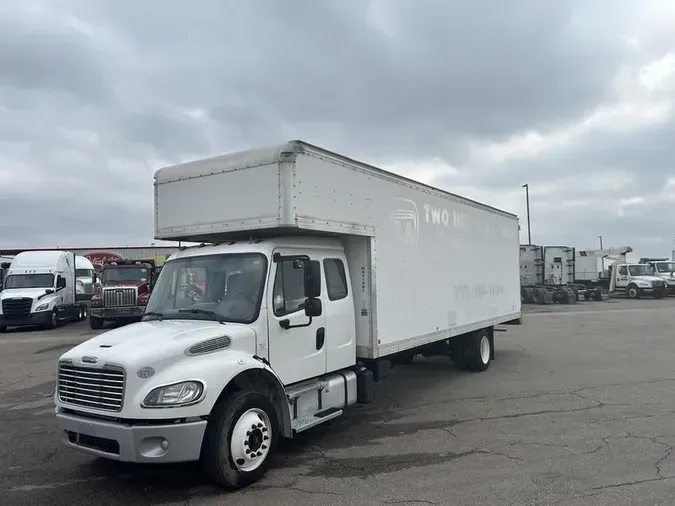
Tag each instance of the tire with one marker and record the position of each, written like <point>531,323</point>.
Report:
<point>478,350</point>
<point>632,292</point>
<point>95,323</point>
<point>53,320</point>
<point>3,329</point>
<point>229,437</point>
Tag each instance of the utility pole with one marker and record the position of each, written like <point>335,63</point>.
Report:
<point>600,237</point>
<point>527,201</point>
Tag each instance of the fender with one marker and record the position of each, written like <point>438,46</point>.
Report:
<point>247,370</point>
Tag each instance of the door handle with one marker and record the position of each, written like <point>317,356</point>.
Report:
<point>320,337</point>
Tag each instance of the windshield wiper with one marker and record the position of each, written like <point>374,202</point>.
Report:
<point>196,310</point>
<point>160,316</point>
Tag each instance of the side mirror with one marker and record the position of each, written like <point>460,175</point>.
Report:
<point>94,278</point>
<point>49,290</point>
<point>313,307</point>
<point>313,279</point>
<point>60,282</point>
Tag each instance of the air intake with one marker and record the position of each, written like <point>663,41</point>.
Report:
<point>209,346</point>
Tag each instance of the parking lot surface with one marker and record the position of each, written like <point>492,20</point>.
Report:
<point>577,409</point>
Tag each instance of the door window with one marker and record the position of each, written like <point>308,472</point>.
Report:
<point>336,278</point>
<point>623,271</point>
<point>289,287</point>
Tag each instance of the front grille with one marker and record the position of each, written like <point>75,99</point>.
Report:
<point>96,388</point>
<point>116,297</point>
<point>16,308</point>
<point>658,284</point>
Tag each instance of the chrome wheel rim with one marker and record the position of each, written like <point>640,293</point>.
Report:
<point>251,439</point>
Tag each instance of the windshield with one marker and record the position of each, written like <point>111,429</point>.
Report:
<point>665,266</point>
<point>83,273</point>
<point>124,274</point>
<point>29,281</point>
<point>225,287</point>
<point>640,270</point>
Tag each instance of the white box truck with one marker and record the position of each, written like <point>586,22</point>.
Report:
<point>40,290</point>
<point>315,273</point>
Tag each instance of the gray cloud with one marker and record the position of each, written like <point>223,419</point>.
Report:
<point>96,95</point>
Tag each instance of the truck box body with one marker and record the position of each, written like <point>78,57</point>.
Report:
<point>421,260</point>
<point>531,265</point>
<point>558,265</point>
<point>588,267</point>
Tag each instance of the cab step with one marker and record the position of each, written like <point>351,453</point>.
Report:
<point>307,422</point>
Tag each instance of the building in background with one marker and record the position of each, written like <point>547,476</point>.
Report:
<point>99,255</point>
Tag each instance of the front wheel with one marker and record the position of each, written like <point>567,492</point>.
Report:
<point>53,320</point>
<point>633,292</point>
<point>240,439</point>
<point>95,323</point>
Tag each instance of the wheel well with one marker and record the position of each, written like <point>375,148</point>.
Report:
<point>264,382</point>
<point>491,337</point>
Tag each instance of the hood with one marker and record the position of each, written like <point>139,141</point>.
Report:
<point>158,343</point>
<point>648,278</point>
<point>14,293</point>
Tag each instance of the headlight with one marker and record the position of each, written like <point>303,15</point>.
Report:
<point>42,307</point>
<point>178,394</point>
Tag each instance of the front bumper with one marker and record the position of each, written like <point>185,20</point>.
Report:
<point>39,318</point>
<point>117,313</point>
<point>180,442</point>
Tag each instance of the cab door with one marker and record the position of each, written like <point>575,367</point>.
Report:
<point>622,276</point>
<point>297,349</point>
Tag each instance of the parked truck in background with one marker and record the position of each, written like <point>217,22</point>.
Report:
<point>5,262</point>
<point>620,277</point>
<point>40,290</point>
<point>663,268</point>
<point>547,275</point>
<point>315,272</point>
<point>123,292</point>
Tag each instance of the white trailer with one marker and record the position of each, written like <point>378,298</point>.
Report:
<point>40,289</point>
<point>316,272</point>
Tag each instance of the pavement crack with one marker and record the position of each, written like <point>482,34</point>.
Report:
<point>632,483</point>
<point>409,501</point>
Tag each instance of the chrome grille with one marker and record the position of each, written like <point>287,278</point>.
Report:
<point>116,297</point>
<point>658,284</point>
<point>96,388</point>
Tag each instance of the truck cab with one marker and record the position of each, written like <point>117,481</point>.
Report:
<point>663,268</point>
<point>123,292</point>
<point>637,280</point>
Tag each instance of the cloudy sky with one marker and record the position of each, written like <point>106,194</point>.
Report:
<point>477,97</point>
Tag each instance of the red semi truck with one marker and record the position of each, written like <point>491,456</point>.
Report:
<point>123,292</point>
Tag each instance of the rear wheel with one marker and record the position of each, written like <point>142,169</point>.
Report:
<point>472,351</point>
<point>240,439</point>
<point>478,351</point>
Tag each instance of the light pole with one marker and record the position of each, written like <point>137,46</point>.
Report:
<point>600,237</point>
<point>527,201</point>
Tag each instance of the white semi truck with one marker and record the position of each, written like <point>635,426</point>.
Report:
<point>316,272</point>
<point>40,290</point>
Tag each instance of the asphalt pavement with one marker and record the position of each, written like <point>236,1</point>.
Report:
<point>578,409</point>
